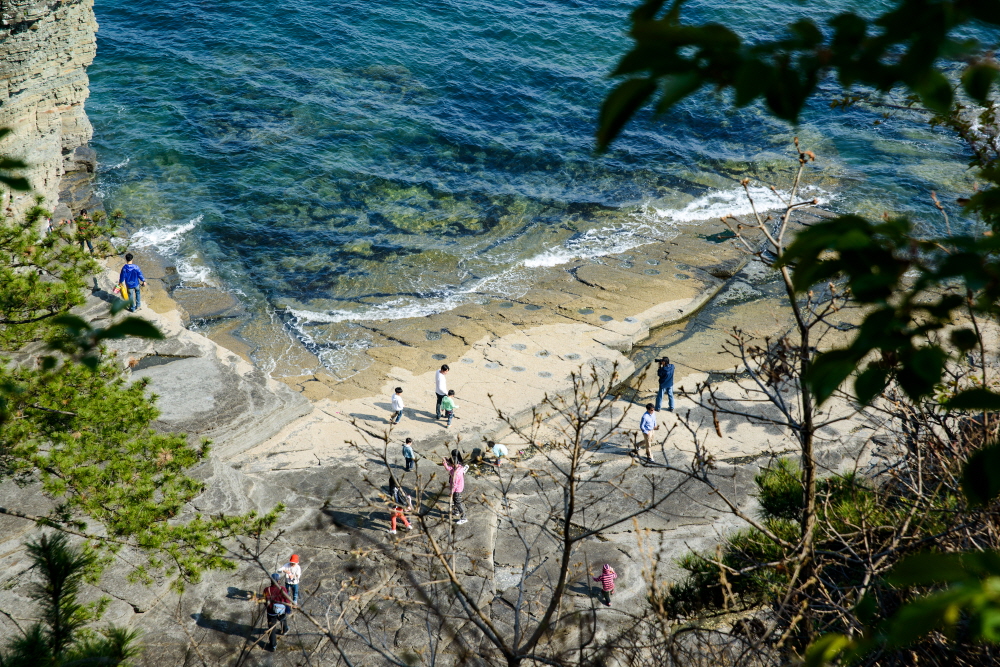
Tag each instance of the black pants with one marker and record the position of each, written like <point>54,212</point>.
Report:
<point>409,465</point>
<point>272,619</point>
<point>604,596</point>
<point>457,509</point>
<point>437,406</point>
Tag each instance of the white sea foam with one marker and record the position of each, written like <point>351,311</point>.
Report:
<point>167,240</point>
<point>598,243</point>
<point>733,202</point>
<point>654,224</point>
<point>117,165</point>
<point>396,309</point>
<point>649,225</point>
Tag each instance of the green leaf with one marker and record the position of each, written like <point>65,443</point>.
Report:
<point>71,323</point>
<point>620,105</point>
<point>935,91</point>
<point>676,89</point>
<point>828,371</point>
<point>924,569</point>
<point>825,649</point>
<point>974,399</point>
<point>870,384</point>
<point>989,624</point>
<point>977,81</point>
<point>118,305</point>
<point>15,182</point>
<point>131,326</point>
<point>981,475</point>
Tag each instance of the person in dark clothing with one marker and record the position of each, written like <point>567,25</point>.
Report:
<point>665,373</point>
<point>408,454</point>
<point>277,605</point>
<point>85,231</point>
<point>132,276</point>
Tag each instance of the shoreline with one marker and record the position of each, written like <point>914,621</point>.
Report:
<point>508,355</point>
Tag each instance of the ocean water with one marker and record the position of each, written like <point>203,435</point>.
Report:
<point>332,163</point>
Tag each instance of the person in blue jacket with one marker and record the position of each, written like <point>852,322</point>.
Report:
<point>132,276</point>
<point>665,373</point>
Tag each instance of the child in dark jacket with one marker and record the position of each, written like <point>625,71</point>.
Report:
<point>607,578</point>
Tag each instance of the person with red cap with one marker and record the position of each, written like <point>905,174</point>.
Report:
<point>292,573</point>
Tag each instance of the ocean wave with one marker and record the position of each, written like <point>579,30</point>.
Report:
<point>397,309</point>
<point>600,242</point>
<point>111,167</point>
<point>653,224</point>
<point>734,202</point>
<point>167,240</point>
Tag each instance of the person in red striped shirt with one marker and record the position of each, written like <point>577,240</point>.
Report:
<point>607,578</point>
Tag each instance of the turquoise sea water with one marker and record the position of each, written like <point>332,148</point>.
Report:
<point>337,162</point>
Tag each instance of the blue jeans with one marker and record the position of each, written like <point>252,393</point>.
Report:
<point>450,414</point>
<point>396,417</point>
<point>669,391</point>
<point>293,590</point>
<point>134,298</point>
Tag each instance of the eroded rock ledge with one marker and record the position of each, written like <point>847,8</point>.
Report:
<point>45,49</point>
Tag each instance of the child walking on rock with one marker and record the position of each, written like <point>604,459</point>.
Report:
<point>607,578</point>
<point>408,454</point>
<point>397,406</point>
<point>456,473</point>
<point>399,499</point>
<point>448,405</point>
<point>292,572</point>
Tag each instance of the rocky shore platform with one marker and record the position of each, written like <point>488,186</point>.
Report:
<point>316,444</point>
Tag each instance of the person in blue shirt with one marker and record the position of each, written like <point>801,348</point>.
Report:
<point>132,276</point>
<point>665,373</point>
<point>647,424</point>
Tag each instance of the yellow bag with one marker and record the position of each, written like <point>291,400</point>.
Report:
<point>124,291</point>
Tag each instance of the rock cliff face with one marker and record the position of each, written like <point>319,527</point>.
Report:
<point>45,48</point>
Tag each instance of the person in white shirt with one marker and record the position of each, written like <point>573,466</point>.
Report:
<point>293,573</point>
<point>440,388</point>
<point>499,451</point>
<point>397,406</point>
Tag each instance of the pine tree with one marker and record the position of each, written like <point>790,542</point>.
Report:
<point>75,425</point>
<point>61,637</point>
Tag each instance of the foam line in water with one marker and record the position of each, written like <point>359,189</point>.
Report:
<point>167,240</point>
<point>392,310</point>
<point>732,202</point>
<point>655,224</point>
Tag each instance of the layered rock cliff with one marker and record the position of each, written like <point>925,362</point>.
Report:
<point>45,48</point>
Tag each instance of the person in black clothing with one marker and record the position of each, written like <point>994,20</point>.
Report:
<point>665,373</point>
<point>277,605</point>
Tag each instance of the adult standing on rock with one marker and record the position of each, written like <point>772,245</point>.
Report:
<point>276,606</point>
<point>665,373</point>
<point>85,231</point>
<point>440,388</point>
<point>132,276</point>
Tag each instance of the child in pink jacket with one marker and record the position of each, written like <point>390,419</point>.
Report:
<point>607,578</point>
<point>456,473</point>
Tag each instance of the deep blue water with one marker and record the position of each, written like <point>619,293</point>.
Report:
<point>331,162</point>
